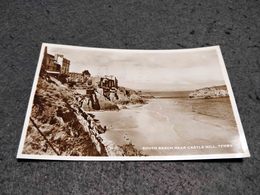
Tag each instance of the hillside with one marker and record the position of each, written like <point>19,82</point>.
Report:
<point>59,125</point>
<point>210,92</point>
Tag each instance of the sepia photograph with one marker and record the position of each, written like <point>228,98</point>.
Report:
<point>118,104</point>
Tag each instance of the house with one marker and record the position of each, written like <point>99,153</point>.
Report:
<point>55,64</point>
<point>75,77</point>
<point>108,82</point>
<point>63,62</point>
<point>49,64</point>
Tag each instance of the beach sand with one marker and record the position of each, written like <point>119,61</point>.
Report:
<point>175,126</point>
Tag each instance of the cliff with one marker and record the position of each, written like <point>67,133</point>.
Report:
<point>59,126</point>
<point>124,96</point>
<point>128,96</point>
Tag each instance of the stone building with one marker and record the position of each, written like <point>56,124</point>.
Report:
<point>55,64</point>
<point>108,82</point>
<point>75,77</point>
<point>63,62</point>
<point>49,64</point>
<point>109,85</point>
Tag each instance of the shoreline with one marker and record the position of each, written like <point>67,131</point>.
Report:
<point>122,127</point>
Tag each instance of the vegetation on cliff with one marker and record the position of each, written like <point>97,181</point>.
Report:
<point>58,125</point>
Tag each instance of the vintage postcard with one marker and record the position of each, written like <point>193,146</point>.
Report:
<point>117,104</point>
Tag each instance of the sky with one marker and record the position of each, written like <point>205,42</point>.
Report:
<point>149,70</point>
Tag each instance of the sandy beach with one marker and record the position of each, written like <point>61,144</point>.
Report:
<point>174,126</point>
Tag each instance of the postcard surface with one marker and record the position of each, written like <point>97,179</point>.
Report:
<point>117,104</point>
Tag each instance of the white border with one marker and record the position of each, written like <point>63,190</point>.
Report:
<point>243,142</point>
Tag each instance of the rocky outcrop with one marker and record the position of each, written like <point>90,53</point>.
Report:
<point>128,96</point>
<point>58,125</point>
<point>210,92</point>
<point>124,97</point>
<point>130,150</point>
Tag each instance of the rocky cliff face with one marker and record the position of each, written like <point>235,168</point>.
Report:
<point>124,96</point>
<point>210,92</point>
<point>59,126</point>
<point>128,96</point>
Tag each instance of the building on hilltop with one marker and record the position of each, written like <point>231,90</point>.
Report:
<point>55,64</point>
<point>48,63</point>
<point>75,77</point>
<point>79,77</point>
<point>108,82</point>
<point>63,62</point>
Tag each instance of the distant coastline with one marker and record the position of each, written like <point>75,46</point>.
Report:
<point>186,94</point>
<point>165,94</point>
